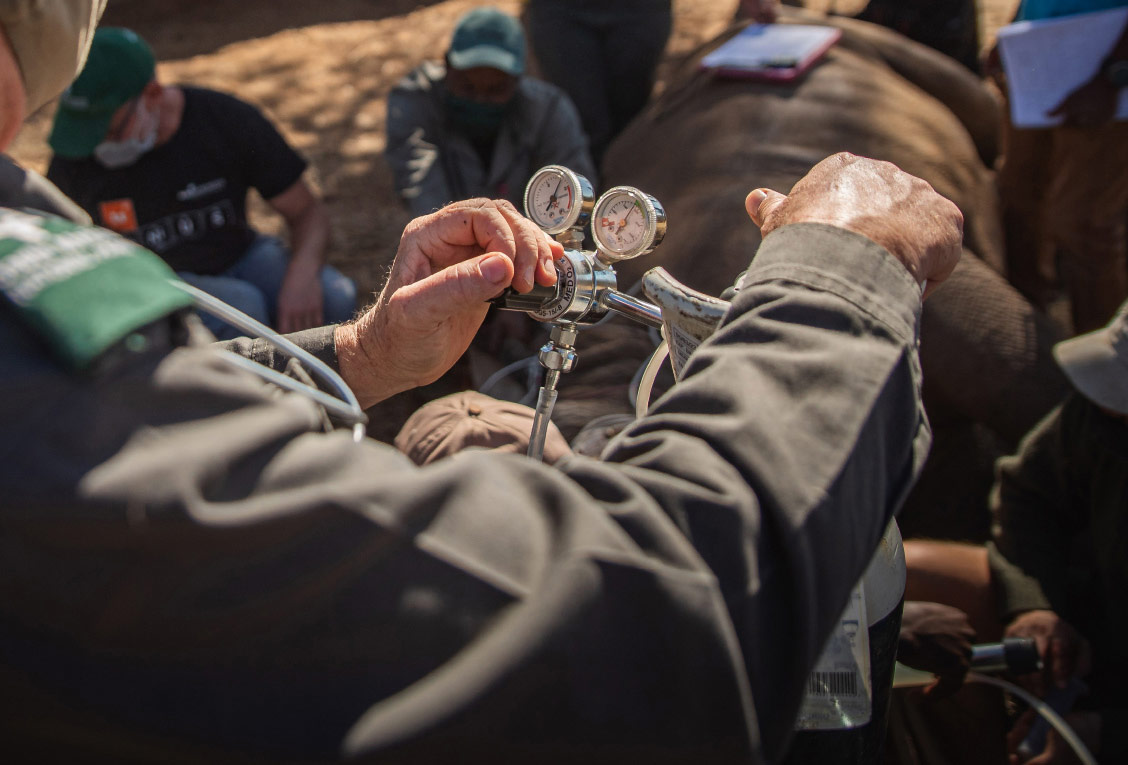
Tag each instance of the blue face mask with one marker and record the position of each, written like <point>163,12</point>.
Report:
<point>476,120</point>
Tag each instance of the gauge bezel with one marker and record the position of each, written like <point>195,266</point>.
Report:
<point>582,194</point>
<point>654,221</point>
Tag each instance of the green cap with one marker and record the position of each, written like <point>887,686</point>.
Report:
<point>488,37</point>
<point>118,68</point>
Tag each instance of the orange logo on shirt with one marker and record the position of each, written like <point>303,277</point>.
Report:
<point>118,215</point>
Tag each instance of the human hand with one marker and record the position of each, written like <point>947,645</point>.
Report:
<point>1089,105</point>
<point>760,11</point>
<point>447,265</point>
<point>991,64</point>
<point>299,300</point>
<point>1064,651</point>
<point>936,638</point>
<point>876,199</point>
<point>1087,726</point>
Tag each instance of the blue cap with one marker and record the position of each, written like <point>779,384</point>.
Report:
<point>488,37</point>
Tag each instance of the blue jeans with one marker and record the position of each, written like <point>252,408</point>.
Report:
<point>253,283</point>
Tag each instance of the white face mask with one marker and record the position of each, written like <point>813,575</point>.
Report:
<point>141,138</point>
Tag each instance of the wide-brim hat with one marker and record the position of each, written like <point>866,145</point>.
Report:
<point>50,40</point>
<point>118,68</point>
<point>1097,363</point>
<point>469,419</point>
<point>487,37</point>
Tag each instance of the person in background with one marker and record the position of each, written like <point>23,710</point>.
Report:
<point>1059,558</point>
<point>171,166</point>
<point>1055,569</point>
<point>603,55</point>
<point>758,11</point>
<point>475,125</point>
<point>949,26</point>
<point>1064,189</point>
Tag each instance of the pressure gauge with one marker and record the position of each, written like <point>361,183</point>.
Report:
<point>557,199</point>
<point>627,223</point>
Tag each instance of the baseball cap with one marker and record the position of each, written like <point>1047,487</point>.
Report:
<point>118,68</point>
<point>50,39</point>
<point>488,37</point>
<point>460,421</point>
<point>1097,363</point>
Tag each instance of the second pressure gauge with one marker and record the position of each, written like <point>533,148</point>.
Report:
<point>557,199</point>
<point>627,223</point>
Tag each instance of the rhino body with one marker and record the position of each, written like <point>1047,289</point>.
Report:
<point>700,148</point>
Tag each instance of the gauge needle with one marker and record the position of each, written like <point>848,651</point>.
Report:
<point>623,221</point>
<point>552,199</point>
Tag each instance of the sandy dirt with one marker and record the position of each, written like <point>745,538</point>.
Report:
<point>322,70</point>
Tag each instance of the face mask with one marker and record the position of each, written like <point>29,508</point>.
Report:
<point>140,139</point>
<point>475,119</point>
<point>50,39</point>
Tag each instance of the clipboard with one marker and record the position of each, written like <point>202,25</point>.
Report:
<point>772,52</point>
<point>1047,59</point>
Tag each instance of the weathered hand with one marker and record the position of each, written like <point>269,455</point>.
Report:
<point>761,11</point>
<point>1087,725</point>
<point>876,199</point>
<point>991,65</point>
<point>448,264</point>
<point>1064,651</point>
<point>1090,105</point>
<point>299,301</point>
<point>936,638</point>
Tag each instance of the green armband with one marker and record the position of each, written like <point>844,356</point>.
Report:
<point>82,289</point>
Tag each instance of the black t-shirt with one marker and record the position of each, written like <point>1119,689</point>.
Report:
<point>186,199</point>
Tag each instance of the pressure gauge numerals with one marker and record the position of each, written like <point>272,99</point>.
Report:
<point>557,199</point>
<point>627,223</point>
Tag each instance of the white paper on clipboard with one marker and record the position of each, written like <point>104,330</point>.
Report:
<point>1046,59</point>
<point>771,51</point>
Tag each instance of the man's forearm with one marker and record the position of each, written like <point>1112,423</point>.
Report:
<point>793,438</point>
<point>717,543</point>
<point>309,240</point>
<point>319,341</point>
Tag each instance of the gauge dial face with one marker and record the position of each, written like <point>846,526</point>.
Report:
<point>626,223</point>
<point>556,197</point>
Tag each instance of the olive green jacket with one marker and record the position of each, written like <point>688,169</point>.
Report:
<point>192,570</point>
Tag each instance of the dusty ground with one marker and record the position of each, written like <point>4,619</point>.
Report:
<point>322,70</point>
